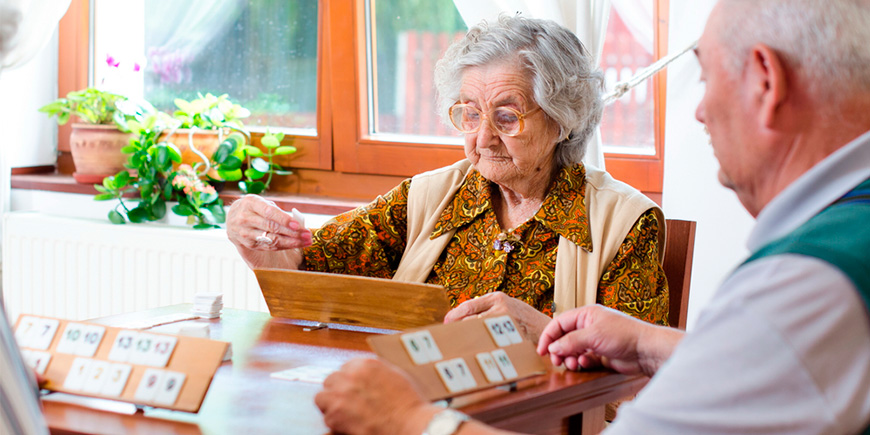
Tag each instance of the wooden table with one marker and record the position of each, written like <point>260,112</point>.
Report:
<point>244,399</point>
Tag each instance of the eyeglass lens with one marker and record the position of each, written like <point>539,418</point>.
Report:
<point>467,119</point>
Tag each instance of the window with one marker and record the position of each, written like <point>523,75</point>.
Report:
<point>350,81</point>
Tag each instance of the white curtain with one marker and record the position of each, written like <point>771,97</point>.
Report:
<point>25,28</point>
<point>586,18</point>
<point>638,17</point>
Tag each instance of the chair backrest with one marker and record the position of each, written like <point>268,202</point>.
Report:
<point>677,264</point>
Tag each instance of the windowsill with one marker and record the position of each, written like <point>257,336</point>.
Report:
<point>53,182</point>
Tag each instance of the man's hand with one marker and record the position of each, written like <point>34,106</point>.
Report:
<point>368,396</point>
<point>593,335</point>
<point>530,321</point>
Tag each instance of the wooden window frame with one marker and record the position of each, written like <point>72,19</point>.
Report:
<point>343,160</point>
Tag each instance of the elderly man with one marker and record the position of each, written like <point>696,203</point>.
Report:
<point>784,345</point>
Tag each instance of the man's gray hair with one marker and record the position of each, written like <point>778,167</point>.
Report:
<point>565,82</point>
<point>827,42</point>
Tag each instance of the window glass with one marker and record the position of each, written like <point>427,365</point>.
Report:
<point>627,126</point>
<point>262,53</point>
<point>411,35</point>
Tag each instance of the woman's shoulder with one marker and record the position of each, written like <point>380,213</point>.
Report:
<point>459,169</point>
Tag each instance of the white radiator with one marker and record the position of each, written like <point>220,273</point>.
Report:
<point>78,268</point>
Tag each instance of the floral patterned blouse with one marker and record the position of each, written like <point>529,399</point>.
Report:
<point>370,241</point>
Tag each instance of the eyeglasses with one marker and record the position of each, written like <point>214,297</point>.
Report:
<point>505,120</point>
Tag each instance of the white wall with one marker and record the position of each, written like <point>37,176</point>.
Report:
<point>691,189</point>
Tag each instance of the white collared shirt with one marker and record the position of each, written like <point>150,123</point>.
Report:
<point>784,344</point>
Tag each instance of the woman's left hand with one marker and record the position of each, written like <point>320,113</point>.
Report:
<point>531,322</point>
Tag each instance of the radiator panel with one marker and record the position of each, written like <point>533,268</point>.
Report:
<point>78,268</point>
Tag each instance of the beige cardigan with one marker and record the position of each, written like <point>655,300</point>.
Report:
<point>613,208</point>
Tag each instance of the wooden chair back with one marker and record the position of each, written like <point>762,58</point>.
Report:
<point>677,264</point>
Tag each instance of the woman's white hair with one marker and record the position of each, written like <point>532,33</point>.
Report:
<point>827,42</point>
<point>565,82</point>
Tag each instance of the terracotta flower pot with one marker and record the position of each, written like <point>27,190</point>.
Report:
<point>206,141</point>
<point>96,151</point>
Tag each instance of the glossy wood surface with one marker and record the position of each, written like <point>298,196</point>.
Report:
<point>244,399</point>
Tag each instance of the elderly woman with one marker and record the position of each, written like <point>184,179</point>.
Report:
<point>520,227</point>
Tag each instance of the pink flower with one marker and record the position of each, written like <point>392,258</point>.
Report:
<point>111,61</point>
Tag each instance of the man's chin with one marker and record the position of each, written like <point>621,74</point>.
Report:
<point>725,181</point>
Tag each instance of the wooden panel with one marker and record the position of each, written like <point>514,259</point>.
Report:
<point>351,300</point>
<point>677,264</point>
<point>463,340</point>
<point>72,72</point>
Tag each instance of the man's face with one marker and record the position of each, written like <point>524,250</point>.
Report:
<point>723,112</point>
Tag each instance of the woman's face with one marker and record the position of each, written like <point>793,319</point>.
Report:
<point>502,159</point>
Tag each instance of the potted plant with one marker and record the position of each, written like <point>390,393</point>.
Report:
<point>95,141</point>
<point>159,175</point>
<point>204,122</point>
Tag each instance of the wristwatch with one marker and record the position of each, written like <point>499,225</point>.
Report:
<point>445,422</point>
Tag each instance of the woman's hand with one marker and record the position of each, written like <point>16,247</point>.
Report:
<point>530,321</point>
<point>261,231</point>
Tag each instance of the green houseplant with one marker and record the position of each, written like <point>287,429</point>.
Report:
<point>160,173</point>
<point>96,141</point>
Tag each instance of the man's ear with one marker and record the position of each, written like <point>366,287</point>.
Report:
<point>767,81</point>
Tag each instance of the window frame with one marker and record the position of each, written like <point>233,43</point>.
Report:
<point>343,148</point>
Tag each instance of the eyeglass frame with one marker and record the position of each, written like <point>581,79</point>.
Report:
<point>520,117</point>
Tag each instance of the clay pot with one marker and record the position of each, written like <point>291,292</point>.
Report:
<point>206,141</point>
<point>96,151</point>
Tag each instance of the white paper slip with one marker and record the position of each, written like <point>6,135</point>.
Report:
<point>78,372</point>
<point>313,374</point>
<point>510,329</point>
<point>148,385</point>
<point>116,380</point>
<point>38,360</point>
<point>416,349</point>
<point>504,364</point>
<point>96,377</point>
<point>92,336</point>
<point>72,335</point>
<point>451,377</point>
<point>26,326</point>
<point>497,331</point>
<point>490,368</point>
<point>465,374</point>
<point>42,333</point>
<point>169,388</point>
<point>122,345</point>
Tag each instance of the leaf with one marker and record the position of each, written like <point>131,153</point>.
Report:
<point>104,197</point>
<point>231,175</point>
<point>270,141</point>
<point>101,189</point>
<point>173,152</point>
<point>129,149</point>
<point>122,179</point>
<point>207,215</point>
<point>253,174</point>
<point>282,172</point>
<point>158,209</point>
<point>256,187</point>
<point>224,150</point>
<point>162,158</point>
<point>252,151</point>
<point>183,210</point>
<point>204,226</point>
<point>218,211</point>
<point>137,215</point>
<point>207,198</point>
<point>261,165</point>
<point>232,163</point>
<point>285,150</point>
<point>116,217</point>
